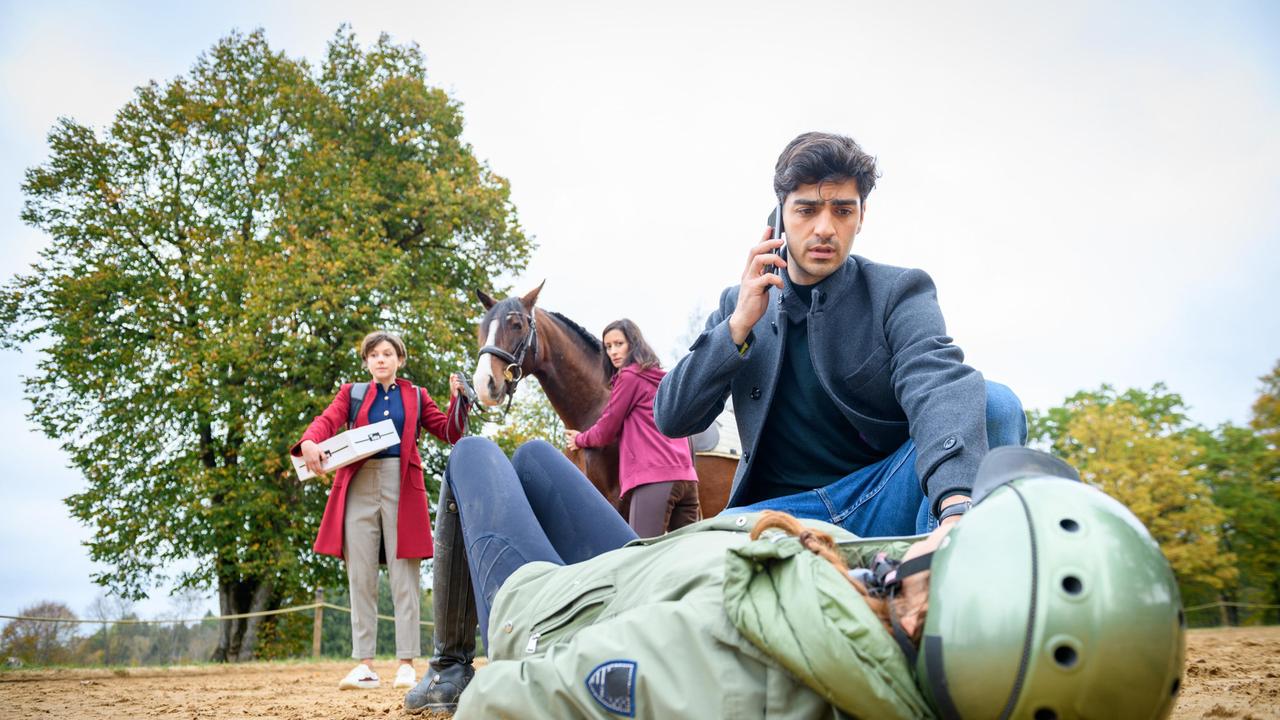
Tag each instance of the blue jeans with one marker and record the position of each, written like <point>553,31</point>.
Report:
<point>537,506</point>
<point>884,499</point>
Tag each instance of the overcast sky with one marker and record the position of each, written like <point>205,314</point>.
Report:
<point>1094,188</point>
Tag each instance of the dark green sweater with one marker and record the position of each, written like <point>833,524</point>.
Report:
<point>806,442</point>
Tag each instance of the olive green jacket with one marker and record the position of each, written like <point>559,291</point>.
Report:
<point>700,623</point>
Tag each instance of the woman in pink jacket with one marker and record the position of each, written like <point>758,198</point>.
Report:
<point>655,472</point>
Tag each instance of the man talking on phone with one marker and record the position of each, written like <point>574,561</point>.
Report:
<point>853,404</point>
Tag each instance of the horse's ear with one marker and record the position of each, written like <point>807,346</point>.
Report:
<point>531,298</point>
<point>485,300</point>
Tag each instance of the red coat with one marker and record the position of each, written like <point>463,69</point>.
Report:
<point>413,539</point>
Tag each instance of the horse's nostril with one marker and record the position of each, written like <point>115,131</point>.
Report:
<point>493,388</point>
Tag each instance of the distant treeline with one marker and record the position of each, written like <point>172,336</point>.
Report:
<point>26,643</point>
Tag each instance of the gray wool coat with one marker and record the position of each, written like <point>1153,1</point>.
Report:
<point>881,352</point>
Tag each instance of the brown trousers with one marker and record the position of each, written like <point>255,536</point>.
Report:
<point>661,507</point>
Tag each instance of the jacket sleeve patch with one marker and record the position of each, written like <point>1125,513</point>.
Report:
<point>613,684</point>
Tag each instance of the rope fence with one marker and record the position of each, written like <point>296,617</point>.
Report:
<point>424,623</point>
<point>319,607</point>
<point>1222,604</point>
<point>165,621</point>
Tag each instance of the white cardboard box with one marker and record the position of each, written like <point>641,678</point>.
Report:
<point>351,446</point>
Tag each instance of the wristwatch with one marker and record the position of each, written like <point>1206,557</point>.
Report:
<point>959,508</point>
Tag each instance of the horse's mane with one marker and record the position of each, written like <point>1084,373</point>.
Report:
<point>591,341</point>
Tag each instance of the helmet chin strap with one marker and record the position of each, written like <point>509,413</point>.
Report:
<point>885,581</point>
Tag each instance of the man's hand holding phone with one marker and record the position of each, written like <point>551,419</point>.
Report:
<point>753,294</point>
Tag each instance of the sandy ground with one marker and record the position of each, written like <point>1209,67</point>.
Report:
<point>1233,673</point>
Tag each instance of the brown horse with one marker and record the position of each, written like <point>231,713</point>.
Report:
<point>518,339</point>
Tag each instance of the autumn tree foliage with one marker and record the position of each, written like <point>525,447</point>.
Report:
<point>40,642</point>
<point>1259,507</point>
<point>1211,497</point>
<point>214,257</point>
<point>1266,422</point>
<point>1130,445</point>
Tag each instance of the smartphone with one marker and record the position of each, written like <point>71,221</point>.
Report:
<point>775,221</point>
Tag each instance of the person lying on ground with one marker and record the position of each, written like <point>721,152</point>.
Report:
<point>1050,601</point>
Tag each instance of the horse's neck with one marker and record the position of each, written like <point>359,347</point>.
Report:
<point>570,375</point>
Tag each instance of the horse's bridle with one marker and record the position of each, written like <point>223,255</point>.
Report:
<point>513,373</point>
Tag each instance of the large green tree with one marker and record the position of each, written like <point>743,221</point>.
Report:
<point>214,257</point>
<point>1261,506</point>
<point>1235,465</point>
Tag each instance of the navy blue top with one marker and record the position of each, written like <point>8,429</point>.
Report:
<point>387,405</point>
<point>806,443</point>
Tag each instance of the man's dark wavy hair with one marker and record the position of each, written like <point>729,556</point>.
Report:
<point>817,157</point>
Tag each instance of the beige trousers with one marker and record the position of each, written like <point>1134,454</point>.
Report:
<point>373,498</point>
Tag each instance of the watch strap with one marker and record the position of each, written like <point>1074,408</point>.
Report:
<point>959,508</point>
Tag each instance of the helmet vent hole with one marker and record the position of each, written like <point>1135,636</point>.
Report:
<point>1182,619</point>
<point>1072,585</point>
<point>1069,525</point>
<point>1177,683</point>
<point>1046,714</point>
<point>1065,655</point>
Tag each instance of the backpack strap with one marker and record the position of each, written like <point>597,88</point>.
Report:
<point>417,406</point>
<point>358,391</point>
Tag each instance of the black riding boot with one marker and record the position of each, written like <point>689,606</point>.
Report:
<point>454,602</point>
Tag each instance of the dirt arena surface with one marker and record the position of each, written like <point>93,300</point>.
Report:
<point>1232,673</point>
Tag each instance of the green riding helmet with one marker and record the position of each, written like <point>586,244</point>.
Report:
<point>1049,601</point>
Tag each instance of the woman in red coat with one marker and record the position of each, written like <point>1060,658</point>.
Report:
<point>655,472</point>
<point>380,504</point>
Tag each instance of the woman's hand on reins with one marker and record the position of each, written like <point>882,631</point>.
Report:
<point>455,385</point>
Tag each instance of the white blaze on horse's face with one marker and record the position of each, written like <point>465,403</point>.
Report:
<point>483,378</point>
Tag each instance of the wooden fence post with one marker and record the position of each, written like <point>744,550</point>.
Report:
<point>317,625</point>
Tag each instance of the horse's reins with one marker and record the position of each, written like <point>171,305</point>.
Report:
<point>466,399</point>
<point>513,373</point>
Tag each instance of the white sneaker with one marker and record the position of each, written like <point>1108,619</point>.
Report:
<point>361,677</point>
<point>405,677</point>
